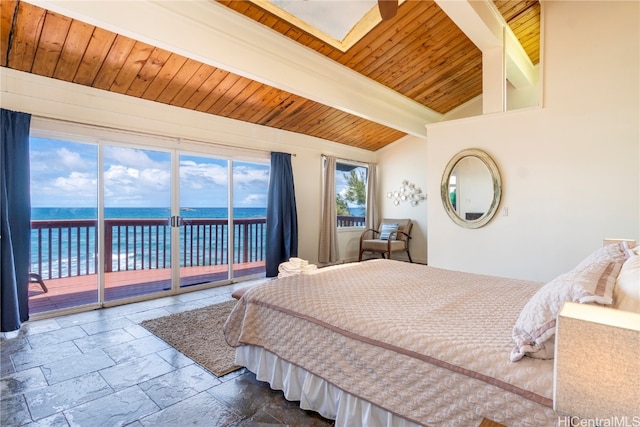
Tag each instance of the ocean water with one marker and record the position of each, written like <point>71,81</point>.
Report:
<point>71,251</point>
<point>92,213</point>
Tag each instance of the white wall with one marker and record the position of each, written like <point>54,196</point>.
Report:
<point>570,170</point>
<point>54,99</point>
<point>405,159</point>
<point>525,97</point>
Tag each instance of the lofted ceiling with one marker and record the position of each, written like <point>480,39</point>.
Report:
<point>420,54</point>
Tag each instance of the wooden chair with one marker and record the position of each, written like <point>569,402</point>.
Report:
<point>36,278</point>
<point>393,235</point>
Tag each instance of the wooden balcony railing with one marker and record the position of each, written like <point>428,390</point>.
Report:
<point>63,248</point>
<point>350,221</point>
<point>66,248</point>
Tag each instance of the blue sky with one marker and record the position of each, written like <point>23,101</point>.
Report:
<point>64,174</point>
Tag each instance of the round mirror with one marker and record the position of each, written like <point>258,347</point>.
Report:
<point>471,188</point>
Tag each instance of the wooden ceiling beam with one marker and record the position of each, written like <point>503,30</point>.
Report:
<point>482,22</point>
<point>213,34</point>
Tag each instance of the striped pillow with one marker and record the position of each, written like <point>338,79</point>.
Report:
<point>386,229</point>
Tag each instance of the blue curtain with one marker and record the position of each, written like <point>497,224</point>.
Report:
<point>15,215</point>
<point>282,216</point>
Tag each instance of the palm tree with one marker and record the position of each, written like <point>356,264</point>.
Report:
<point>356,191</point>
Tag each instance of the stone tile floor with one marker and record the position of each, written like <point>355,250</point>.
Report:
<point>101,368</point>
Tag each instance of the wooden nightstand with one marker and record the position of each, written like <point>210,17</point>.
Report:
<point>488,423</point>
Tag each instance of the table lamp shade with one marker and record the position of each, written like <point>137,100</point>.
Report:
<point>597,363</point>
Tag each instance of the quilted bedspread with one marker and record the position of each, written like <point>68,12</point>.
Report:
<point>427,344</point>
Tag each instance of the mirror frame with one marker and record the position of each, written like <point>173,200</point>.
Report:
<point>497,188</point>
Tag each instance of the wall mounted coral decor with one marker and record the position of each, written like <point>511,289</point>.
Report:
<point>407,193</point>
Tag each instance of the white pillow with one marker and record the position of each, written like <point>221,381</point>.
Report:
<point>535,327</point>
<point>617,252</point>
<point>626,294</point>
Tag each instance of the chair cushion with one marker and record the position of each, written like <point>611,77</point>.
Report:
<point>386,229</point>
<point>378,245</point>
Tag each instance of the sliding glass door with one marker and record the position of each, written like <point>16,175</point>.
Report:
<point>64,225</point>
<point>221,240</point>
<point>137,228</point>
<point>203,220</point>
<point>114,222</point>
<point>250,187</point>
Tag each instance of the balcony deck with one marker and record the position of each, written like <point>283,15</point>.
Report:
<point>75,291</point>
<point>137,250</point>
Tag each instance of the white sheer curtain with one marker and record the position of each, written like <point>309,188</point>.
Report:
<point>372,219</point>
<point>328,251</point>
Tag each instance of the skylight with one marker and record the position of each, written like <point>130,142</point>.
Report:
<point>340,23</point>
<point>335,18</point>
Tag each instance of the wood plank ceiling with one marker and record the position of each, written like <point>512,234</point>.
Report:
<point>420,54</point>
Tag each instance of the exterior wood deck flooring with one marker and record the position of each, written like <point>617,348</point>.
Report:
<point>81,290</point>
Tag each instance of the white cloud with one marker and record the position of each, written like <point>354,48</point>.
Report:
<point>254,200</point>
<point>65,174</point>
<point>68,159</point>
<point>60,160</point>
<point>155,178</point>
<point>132,158</point>
<point>76,189</point>
<point>130,186</point>
<point>76,182</point>
<point>120,175</point>
<point>247,177</point>
<point>202,175</point>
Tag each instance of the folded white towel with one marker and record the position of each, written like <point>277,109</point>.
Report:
<point>285,266</point>
<point>295,266</point>
<point>298,262</point>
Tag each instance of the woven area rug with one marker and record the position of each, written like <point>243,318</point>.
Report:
<point>198,335</point>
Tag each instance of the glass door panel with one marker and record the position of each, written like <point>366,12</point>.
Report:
<point>137,229</point>
<point>64,218</point>
<point>250,187</point>
<point>204,220</point>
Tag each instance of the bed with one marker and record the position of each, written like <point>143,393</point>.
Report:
<point>385,342</point>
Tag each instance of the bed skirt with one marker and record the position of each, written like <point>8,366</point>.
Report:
<point>313,392</point>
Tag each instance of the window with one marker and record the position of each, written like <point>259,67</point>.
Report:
<point>351,194</point>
